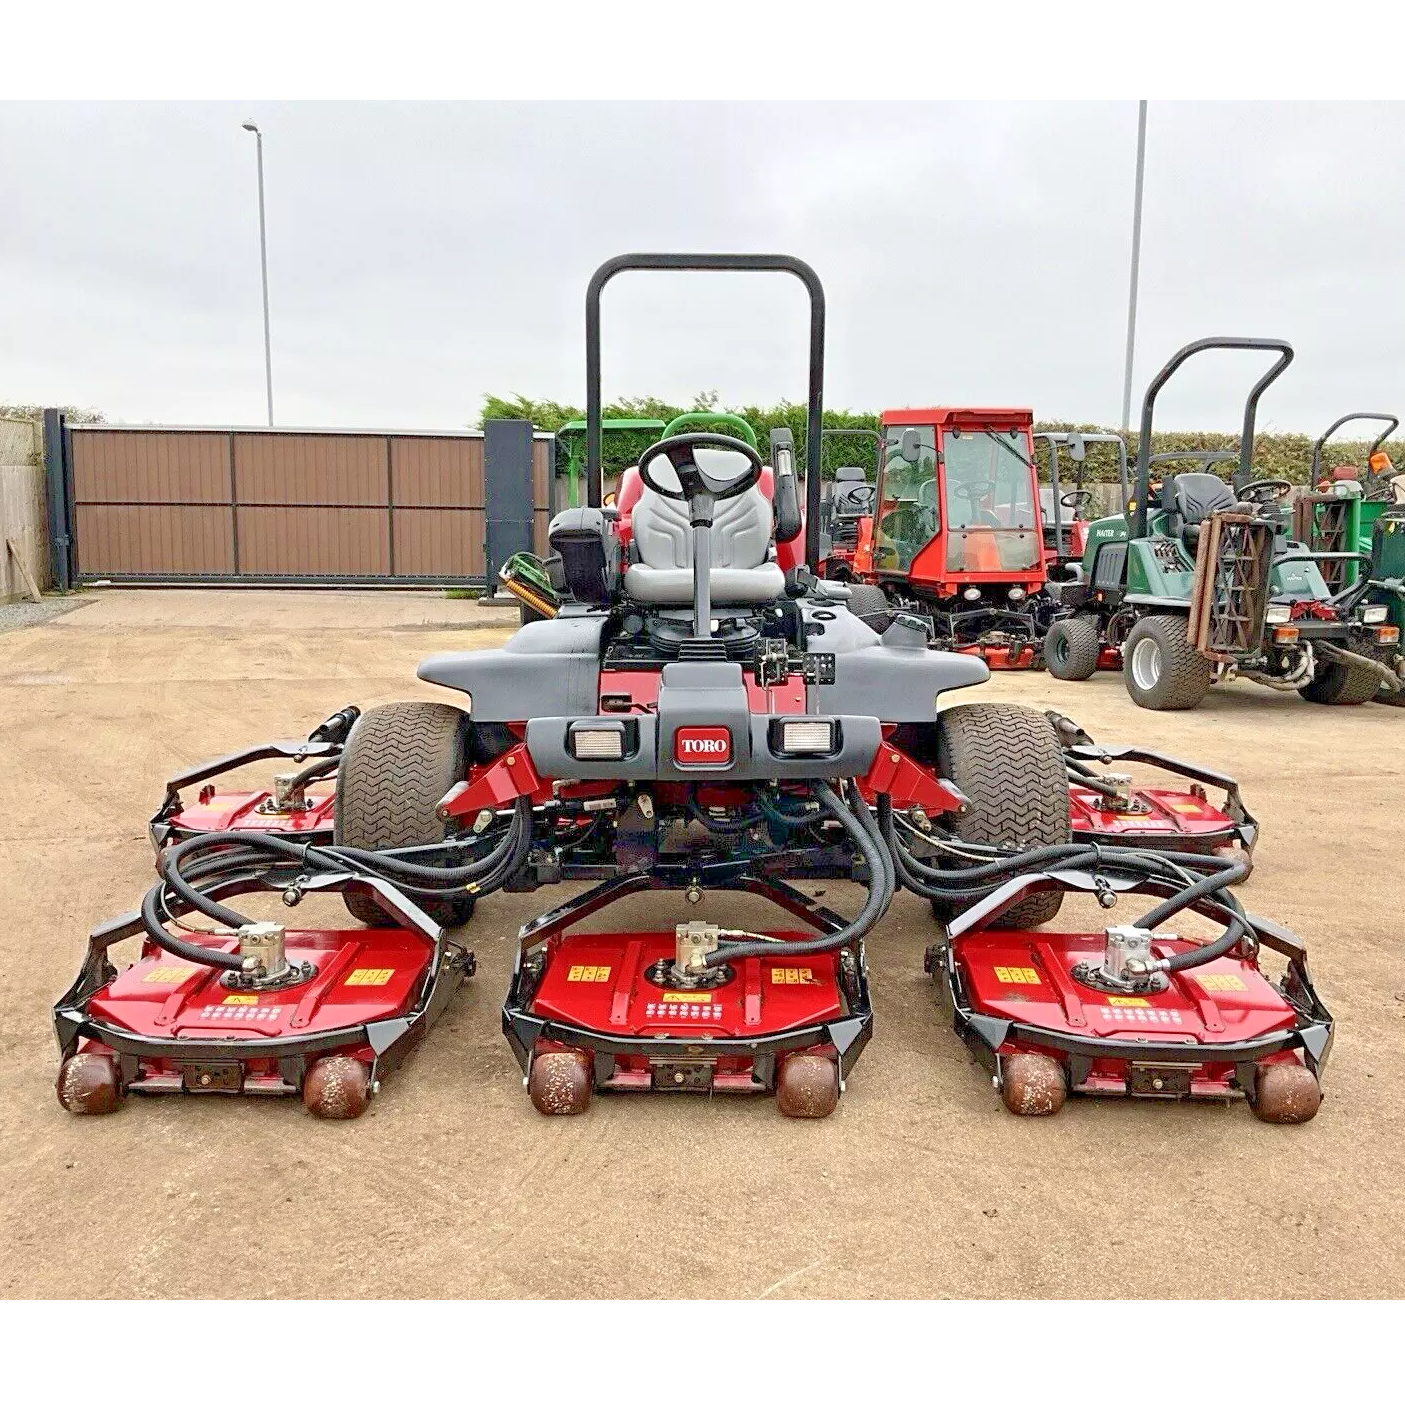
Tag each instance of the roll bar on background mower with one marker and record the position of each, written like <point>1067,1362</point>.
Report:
<point>1251,405</point>
<point>1391,422</point>
<point>872,434</point>
<point>1076,441</point>
<point>717,263</point>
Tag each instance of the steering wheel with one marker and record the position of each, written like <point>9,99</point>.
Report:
<point>699,487</point>
<point>1078,497</point>
<point>1265,490</point>
<point>860,497</point>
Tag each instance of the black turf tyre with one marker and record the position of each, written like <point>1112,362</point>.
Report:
<point>1007,762</point>
<point>1340,685</point>
<point>1072,647</point>
<point>399,762</point>
<point>1160,668</point>
<point>868,603</point>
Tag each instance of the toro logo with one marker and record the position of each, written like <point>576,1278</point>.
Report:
<point>702,746</point>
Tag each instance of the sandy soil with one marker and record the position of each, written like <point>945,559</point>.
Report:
<point>920,1185</point>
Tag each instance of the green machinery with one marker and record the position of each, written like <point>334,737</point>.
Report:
<point>1339,515</point>
<point>571,436</point>
<point>1206,584</point>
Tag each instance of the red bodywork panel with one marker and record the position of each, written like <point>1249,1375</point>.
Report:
<point>239,810</point>
<point>372,973</point>
<point>1025,976</point>
<point>1176,818</point>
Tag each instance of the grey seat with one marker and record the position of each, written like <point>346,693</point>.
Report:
<point>742,570</point>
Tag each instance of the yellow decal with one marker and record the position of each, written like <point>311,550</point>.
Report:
<point>241,1000</point>
<point>793,975</point>
<point>370,975</point>
<point>1017,975</point>
<point>165,975</point>
<point>686,997</point>
<point>588,973</point>
<point>1127,1000</point>
<point>1215,981</point>
<point>1186,807</point>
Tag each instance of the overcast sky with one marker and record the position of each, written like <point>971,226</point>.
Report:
<point>421,256</point>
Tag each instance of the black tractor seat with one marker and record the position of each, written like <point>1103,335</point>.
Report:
<point>1191,498</point>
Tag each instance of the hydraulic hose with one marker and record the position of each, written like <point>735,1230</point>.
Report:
<point>1235,925</point>
<point>875,900</point>
<point>264,855</point>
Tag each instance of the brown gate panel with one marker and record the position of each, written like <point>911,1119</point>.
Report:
<point>128,539</point>
<point>314,541</point>
<point>324,470</point>
<point>134,467</point>
<point>436,472</point>
<point>433,542</point>
<point>542,483</point>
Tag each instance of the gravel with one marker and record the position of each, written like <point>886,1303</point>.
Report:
<point>26,612</point>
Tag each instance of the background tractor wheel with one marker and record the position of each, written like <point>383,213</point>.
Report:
<point>1341,685</point>
<point>400,761</point>
<point>1072,648</point>
<point>1160,668</point>
<point>1007,762</point>
<point>868,603</point>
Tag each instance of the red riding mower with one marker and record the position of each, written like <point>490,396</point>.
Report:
<point>957,536</point>
<point>846,520</point>
<point>694,720</point>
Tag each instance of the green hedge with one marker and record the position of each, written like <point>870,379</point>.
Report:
<point>1275,455</point>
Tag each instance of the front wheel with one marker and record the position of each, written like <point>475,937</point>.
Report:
<point>1161,670</point>
<point>400,761</point>
<point>1072,648</point>
<point>1006,760</point>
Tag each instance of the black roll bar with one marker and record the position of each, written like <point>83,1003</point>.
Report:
<point>1392,423</point>
<point>717,263</point>
<point>1246,437</point>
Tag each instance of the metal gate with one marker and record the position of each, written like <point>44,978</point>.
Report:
<point>279,506</point>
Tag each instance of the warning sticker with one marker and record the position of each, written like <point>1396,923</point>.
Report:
<point>1127,1000</point>
<point>687,997</point>
<point>793,975</point>
<point>1220,980</point>
<point>588,973</point>
<point>1017,975</point>
<point>1186,807</point>
<point>370,975</point>
<point>241,1000</point>
<point>165,975</point>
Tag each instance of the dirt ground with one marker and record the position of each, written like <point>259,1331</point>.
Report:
<point>920,1185</point>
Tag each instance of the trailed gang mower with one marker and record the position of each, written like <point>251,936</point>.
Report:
<point>701,720</point>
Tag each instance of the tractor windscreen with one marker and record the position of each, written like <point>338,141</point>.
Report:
<point>906,519</point>
<point>989,501</point>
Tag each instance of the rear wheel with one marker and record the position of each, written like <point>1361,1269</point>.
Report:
<point>1341,685</point>
<point>1072,648</point>
<point>868,603</point>
<point>1160,668</point>
<point>1006,760</point>
<point>400,761</point>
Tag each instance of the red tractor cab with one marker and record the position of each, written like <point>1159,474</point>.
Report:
<point>957,533</point>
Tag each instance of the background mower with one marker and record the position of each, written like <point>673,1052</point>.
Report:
<point>957,536</point>
<point>1065,512</point>
<point>1339,511</point>
<point>1206,585</point>
<point>847,512</point>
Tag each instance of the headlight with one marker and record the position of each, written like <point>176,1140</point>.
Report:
<point>1016,592</point>
<point>972,592</point>
<point>1373,614</point>
<point>810,737</point>
<point>1278,614</point>
<point>597,741</point>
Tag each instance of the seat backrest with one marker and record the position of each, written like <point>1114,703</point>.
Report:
<point>741,527</point>
<point>1194,496</point>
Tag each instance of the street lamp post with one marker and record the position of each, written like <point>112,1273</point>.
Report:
<point>263,261</point>
<point>1136,264</point>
